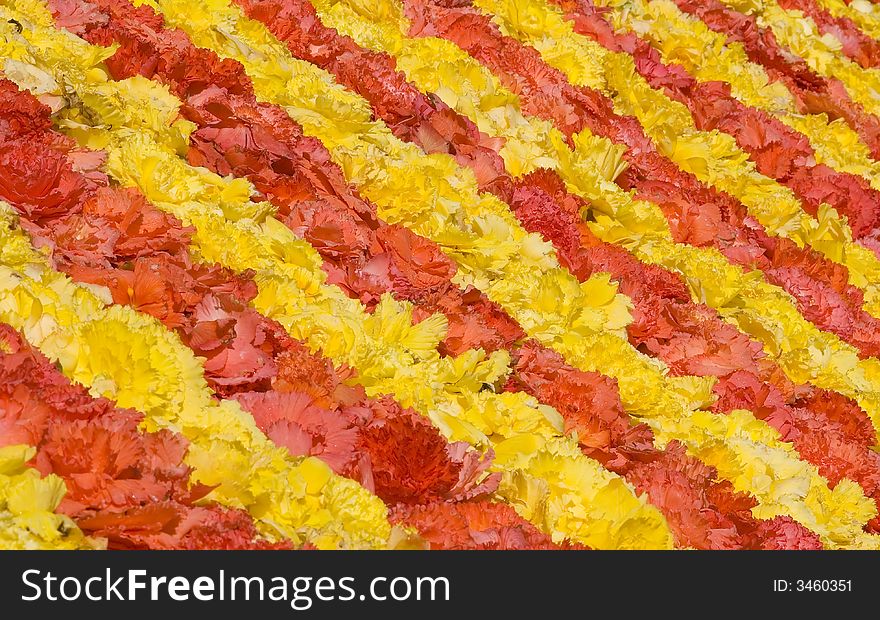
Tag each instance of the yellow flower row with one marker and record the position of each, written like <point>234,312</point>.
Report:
<point>863,13</point>
<point>27,507</point>
<point>129,357</point>
<point>402,182</point>
<point>705,54</point>
<point>576,498</point>
<point>800,34</point>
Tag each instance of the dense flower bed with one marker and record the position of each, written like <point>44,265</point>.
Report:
<point>490,274</point>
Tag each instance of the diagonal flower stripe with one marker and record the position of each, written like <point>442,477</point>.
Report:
<point>864,14</point>
<point>588,19</point>
<point>778,152</point>
<point>28,502</point>
<point>811,92</point>
<point>854,43</point>
<point>117,352</point>
<point>123,486</point>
